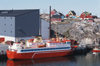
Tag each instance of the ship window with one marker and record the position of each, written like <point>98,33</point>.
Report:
<point>5,24</point>
<point>4,17</point>
<point>68,42</point>
<point>11,17</point>
<point>5,31</point>
<point>4,12</point>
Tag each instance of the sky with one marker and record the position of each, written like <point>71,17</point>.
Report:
<point>63,6</point>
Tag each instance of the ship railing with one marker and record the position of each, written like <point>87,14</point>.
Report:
<point>12,49</point>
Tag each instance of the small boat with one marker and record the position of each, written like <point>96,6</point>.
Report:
<point>39,50</point>
<point>96,49</point>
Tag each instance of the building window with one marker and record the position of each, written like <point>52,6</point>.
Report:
<point>4,17</point>
<point>11,17</point>
<point>11,31</point>
<point>5,24</point>
<point>5,31</point>
<point>11,24</point>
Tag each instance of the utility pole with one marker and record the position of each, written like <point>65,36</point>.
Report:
<point>50,22</point>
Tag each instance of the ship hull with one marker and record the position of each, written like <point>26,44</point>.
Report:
<point>36,55</point>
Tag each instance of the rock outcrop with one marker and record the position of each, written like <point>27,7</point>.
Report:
<point>84,32</point>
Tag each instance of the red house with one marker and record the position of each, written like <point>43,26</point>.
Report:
<point>85,15</point>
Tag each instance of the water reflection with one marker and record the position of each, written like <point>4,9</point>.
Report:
<point>89,59</point>
<point>58,61</point>
<point>3,61</point>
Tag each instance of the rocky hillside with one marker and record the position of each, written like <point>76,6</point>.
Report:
<point>82,31</point>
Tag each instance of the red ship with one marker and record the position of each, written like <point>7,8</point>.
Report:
<point>96,49</point>
<point>37,50</point>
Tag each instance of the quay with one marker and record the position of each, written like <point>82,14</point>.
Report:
<point>82,49</point>
<point>3,48</point>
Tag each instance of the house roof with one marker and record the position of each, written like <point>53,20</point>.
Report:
<point>15,12</point>
<point>73,12</point>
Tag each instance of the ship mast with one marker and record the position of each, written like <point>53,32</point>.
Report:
<point>49,22</point>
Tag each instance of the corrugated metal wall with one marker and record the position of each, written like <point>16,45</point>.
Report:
<point>28,24</point>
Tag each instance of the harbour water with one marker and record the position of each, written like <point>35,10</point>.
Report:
<point>77,60</point>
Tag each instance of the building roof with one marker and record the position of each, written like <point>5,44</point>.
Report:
<point>15,12</point>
